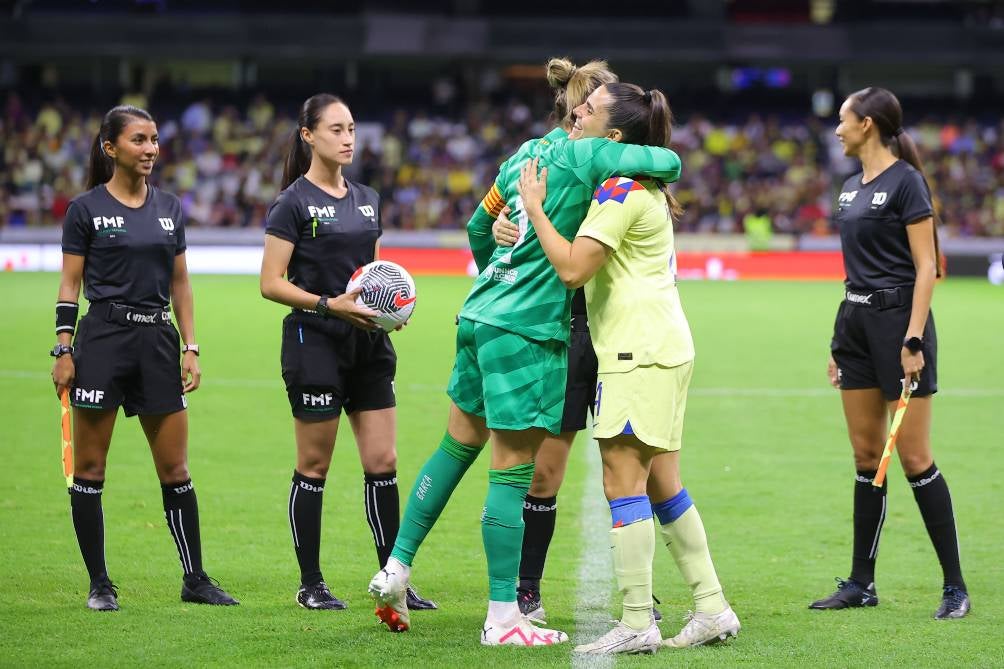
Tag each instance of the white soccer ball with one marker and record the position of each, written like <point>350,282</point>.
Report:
<point>388,289</point>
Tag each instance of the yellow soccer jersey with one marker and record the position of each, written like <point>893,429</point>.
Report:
<point>634,309</point>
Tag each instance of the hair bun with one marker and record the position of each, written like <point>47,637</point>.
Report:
<point>559,72</point>
<point>647,97</point>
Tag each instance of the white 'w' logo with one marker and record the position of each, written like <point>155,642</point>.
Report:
<point>166,223</point>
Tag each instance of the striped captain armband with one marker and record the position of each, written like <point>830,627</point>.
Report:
<point>66,317</point>
<point>493,202</point>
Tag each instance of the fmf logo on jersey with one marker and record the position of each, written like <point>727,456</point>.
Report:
<point>102,222</point>
<point>878,199</point>
<point>368,210</point>
<point>847,198</point>
<point>166,223</point>
<point>323,400</point>
<point>92,396</point>
<point>321,212</point>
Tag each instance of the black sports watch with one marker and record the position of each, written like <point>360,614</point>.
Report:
<point>913,344</point>
<point>60,349</point>
<point>322,307</point>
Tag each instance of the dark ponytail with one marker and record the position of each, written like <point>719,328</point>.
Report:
<point>887,114</point>
<point>101,166</point>
<point>643,117</point>
<point>298,158</point>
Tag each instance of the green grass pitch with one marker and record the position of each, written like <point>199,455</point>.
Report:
<point>766,459</point>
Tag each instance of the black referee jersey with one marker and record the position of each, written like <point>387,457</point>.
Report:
<point>129,251</point>
<point>332,236</point>
<point>872,219</point>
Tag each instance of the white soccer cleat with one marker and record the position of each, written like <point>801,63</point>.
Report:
<point>623,639</point>
<point>389,591</point>
<point>519,631</point>
<point>706,628</point>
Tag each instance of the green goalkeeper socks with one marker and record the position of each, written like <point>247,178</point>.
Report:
<point>502,528</point>
<point>436,481</point>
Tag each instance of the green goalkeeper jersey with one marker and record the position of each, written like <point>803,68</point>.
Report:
<point>517,289</point>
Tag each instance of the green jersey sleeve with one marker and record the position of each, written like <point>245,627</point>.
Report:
<point>594,159</point>
<point>479,227</point>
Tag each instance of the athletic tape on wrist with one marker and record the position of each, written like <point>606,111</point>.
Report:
<point>66,317</point>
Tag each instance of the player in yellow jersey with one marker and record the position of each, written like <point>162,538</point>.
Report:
<point>623,253</point>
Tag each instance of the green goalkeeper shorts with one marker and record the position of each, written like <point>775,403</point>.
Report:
<point>514,383</point>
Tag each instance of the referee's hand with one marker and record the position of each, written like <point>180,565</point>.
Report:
<point>63,373</point>
<point>833,372</point>
<point>191,375</point>
<point>345,307</point>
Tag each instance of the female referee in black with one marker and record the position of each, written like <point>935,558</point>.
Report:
<point>125,240</point>
<point>884,337</point>
<point>320,229</point>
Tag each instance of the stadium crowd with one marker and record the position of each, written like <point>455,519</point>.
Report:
<point>431,170</point>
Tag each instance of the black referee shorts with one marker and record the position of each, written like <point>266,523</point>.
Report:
<point>580,386</point>
<point>329,365</point>
<point>127,357</point>
<point>868,341</point>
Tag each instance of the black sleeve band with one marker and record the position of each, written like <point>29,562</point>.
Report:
<point>66,317</point>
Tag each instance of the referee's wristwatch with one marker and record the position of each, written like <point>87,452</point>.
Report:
<point>322,306</point>
<point>194,348</point>
<point>60,350</point>
<point>913,344</point>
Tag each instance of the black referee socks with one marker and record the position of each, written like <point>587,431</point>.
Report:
<point>181,510</point>
<point>935,502</point>
<point>89,524</point>
<point>539,514</point>
<point>383,512</point>
<point>869,515</point>
<point>305,500</point>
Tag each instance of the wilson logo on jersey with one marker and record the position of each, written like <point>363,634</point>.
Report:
<point>166,223</point>
<point>616,189</point>
<point>878,199</point>
<point>368,211</point>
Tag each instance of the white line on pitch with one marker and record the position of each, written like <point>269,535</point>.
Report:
<point>592,606</point>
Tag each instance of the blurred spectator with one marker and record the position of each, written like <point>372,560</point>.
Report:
<point>761,176</point>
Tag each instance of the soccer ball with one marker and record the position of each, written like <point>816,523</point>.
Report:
<point>388,289</point>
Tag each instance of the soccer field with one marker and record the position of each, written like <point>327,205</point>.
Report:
<point>766,459</point>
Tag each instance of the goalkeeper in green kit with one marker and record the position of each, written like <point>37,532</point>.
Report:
<point>508,380</point>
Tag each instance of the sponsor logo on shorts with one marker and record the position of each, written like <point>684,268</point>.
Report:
<point>599,398</point>
<point>90,399</point>
<point>324,400</point>
<point>145,319</point>
<point>914,384</point>
<point>423,487</point>
<point>184,402</point>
